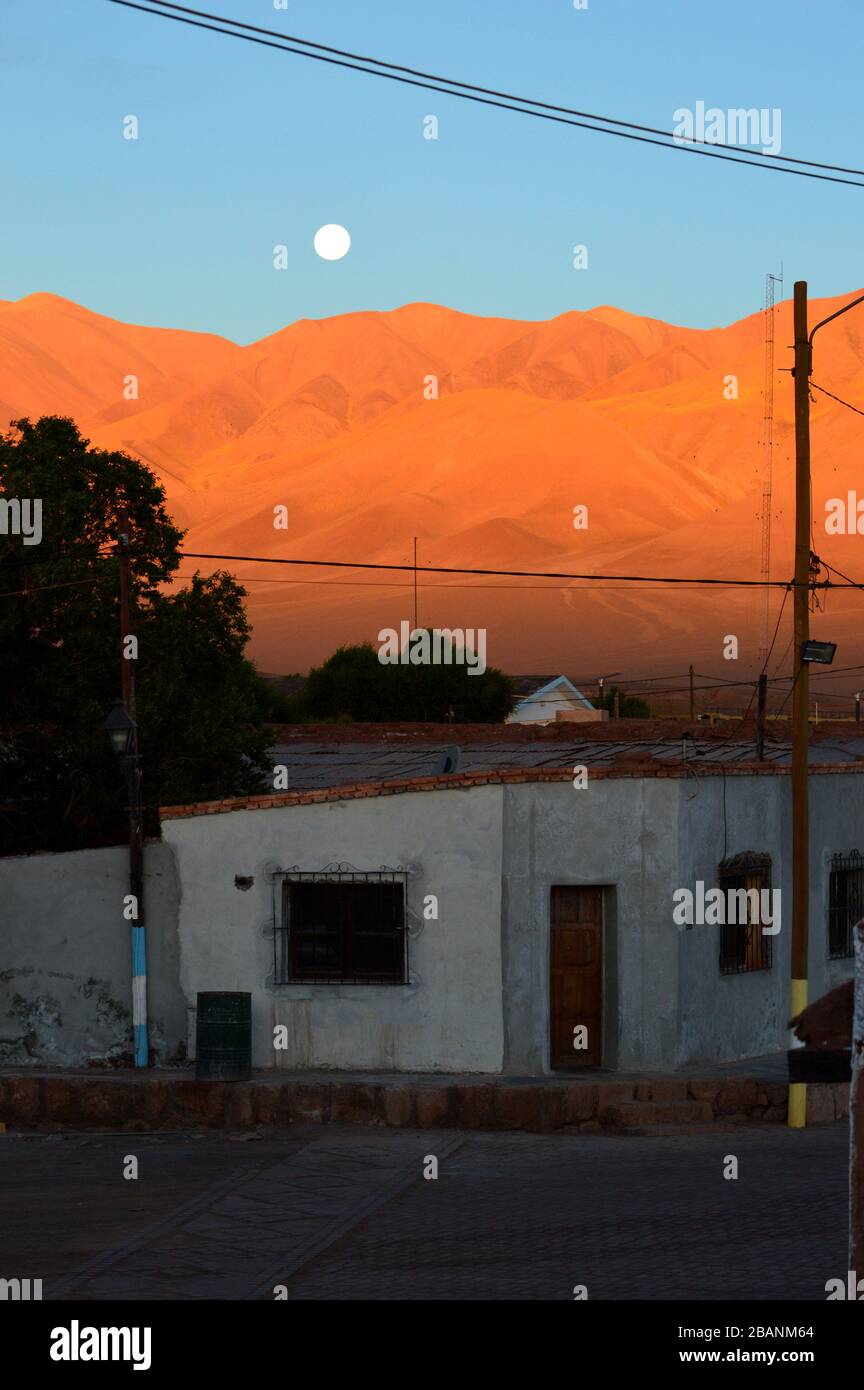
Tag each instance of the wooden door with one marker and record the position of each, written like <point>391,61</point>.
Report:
<point>576,976</point>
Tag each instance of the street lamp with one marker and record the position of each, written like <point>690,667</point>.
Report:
<point>121,729</point>
<point>122,732</point>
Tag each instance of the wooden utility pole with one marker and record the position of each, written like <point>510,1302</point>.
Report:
<point>127,669</point>
<point>760,718</point>
<point>692,698</point>
<point>801,686</point>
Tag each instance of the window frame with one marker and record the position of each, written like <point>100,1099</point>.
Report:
<point>847,864</point>
<point>733,873</point>
<point>345,924</point>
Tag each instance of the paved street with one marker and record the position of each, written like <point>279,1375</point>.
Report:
<point>345,1213</point>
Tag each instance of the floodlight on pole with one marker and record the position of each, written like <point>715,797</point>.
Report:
<point>820,652</point>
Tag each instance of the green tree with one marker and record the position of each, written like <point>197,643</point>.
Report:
<point>629,706</point>
<point>354,684</point>
<point>201,705</point>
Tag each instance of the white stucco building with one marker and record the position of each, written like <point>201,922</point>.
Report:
<point>475,922</point>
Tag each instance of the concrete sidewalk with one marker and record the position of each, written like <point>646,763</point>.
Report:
<point>753,1091</point>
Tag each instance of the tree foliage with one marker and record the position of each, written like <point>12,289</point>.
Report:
<point>629,706</point>
<point>201,705</point>
<point>354,684</point>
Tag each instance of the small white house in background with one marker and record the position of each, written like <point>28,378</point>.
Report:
<point>558,699</point>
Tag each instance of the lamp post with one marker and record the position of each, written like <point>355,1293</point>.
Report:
<point>122,732</point>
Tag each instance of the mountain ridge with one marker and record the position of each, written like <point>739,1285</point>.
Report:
<point>479,436</point>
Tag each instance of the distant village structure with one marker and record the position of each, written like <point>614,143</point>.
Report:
<point>556,700</point>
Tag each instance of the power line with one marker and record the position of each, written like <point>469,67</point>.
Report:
<point>829,675</point>
<point>517,574</point>
<point>473,87</point>
<point>719,680</point>
<point>591,580</point>
<point>57,559</point>
<point>842,576</point>
<point>431,588</point>
<point>838,399</point>
<point>43,588</point>
<point>394,73</point>
<point>776,630</point>
<point>790,691</point>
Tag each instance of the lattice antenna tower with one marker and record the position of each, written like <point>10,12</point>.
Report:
<point>768,451</point>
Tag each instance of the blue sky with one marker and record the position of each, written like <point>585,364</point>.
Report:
<point>242,149</point>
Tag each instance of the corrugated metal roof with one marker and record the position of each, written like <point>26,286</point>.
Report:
<point>319,765</point>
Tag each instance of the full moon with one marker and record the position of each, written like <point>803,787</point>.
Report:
<point>332,242</point>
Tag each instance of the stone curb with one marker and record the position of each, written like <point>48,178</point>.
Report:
<point>133,1103</point>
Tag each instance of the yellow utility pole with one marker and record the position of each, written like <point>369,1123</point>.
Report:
<point>802,371</point>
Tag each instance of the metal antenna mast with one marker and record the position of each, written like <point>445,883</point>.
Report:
<point>768,452</point>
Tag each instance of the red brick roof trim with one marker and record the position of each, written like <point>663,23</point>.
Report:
<point>455,781</point>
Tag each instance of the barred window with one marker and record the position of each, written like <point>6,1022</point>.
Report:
<point>845,902</point>
<point>341,927</point>
<point>743,945</point>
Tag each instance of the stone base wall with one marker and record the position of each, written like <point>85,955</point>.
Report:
<point>163,1102</point>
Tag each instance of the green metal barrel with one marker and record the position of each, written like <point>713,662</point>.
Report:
<point>223,1037</point>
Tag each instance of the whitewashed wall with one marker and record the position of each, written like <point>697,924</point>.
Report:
<point>448,1018</point>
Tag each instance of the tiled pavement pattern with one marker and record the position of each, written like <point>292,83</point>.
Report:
<point>529,1216</point>
<point>255,1231</point>
<point>344,1213</point>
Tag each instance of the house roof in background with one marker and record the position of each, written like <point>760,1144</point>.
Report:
<point>558,683</point>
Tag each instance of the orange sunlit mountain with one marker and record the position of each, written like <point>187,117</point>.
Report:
<point>338,421</point>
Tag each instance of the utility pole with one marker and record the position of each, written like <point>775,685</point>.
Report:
<point>856,1113</point>
<point>760,718</point>
<point>415,583</point>
<point>132,760</point>
<point>692,698</point>
<point>797,1113</point>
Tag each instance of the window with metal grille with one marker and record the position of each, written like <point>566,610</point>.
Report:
<point>743,945</point>
<point>845,902</point>
<point>341,927</point>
